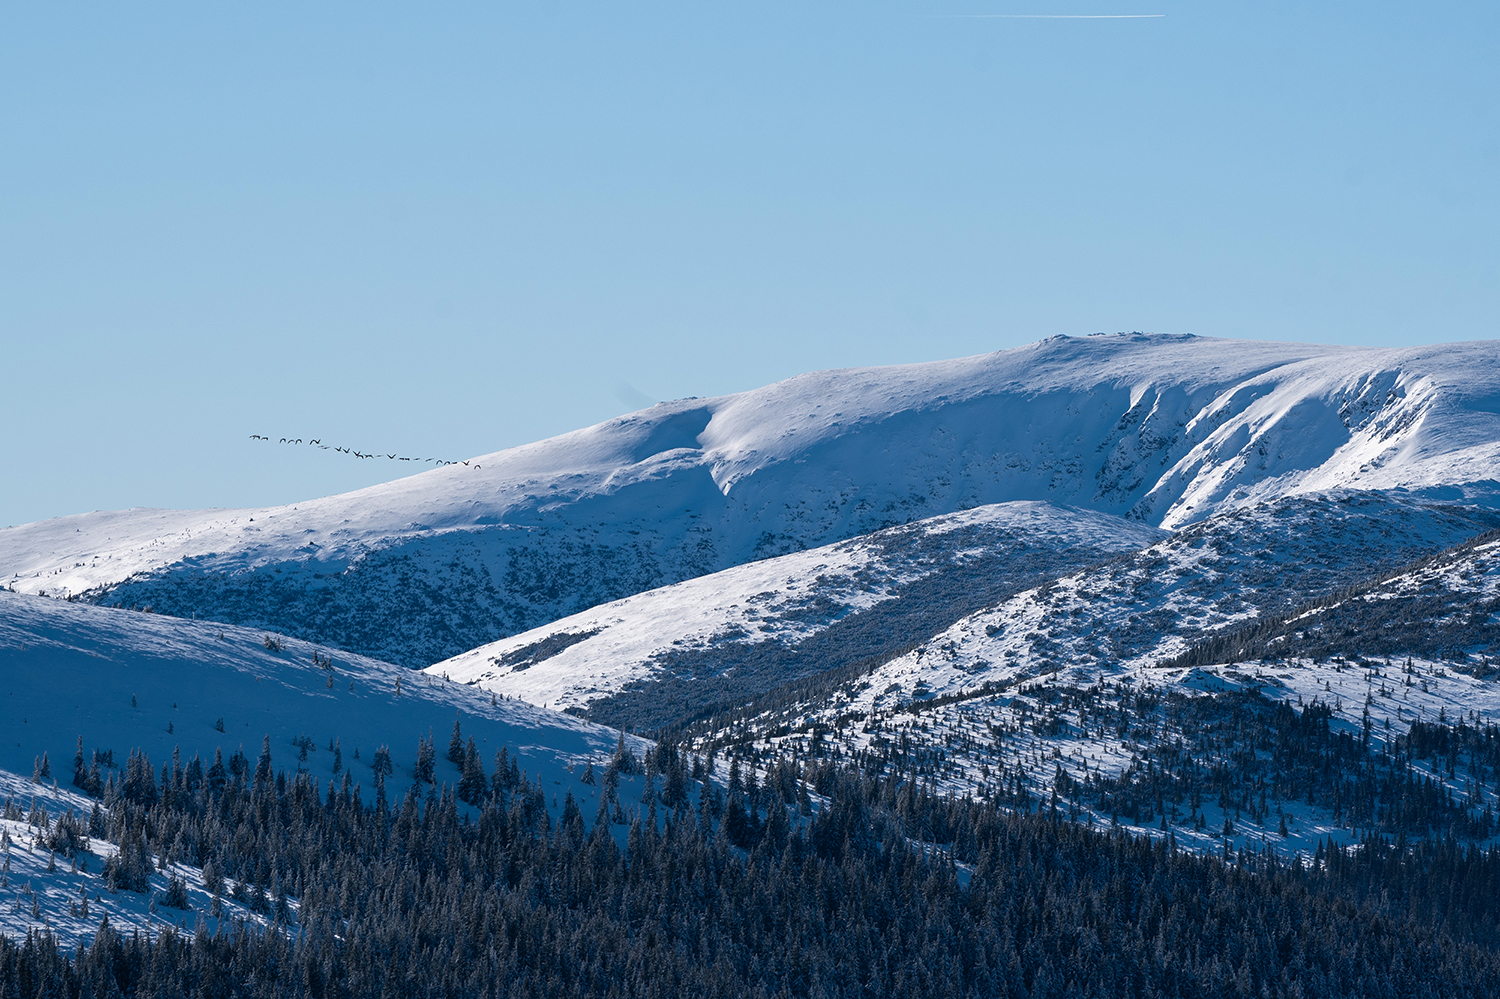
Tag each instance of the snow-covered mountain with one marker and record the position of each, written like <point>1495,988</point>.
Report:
<point>1232,655</point>
<point>653,658</point>
<point>1166,430</point>
<point>1235,685</point>
<point>1161,581</point>
<point>1212,590</point>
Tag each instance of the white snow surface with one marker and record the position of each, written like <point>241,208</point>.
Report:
<point>1165,429</point>
<point>606,648</point>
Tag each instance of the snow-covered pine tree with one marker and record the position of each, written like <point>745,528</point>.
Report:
<point>218,774</point>
<point>380,763</point>
<point>264,775</point>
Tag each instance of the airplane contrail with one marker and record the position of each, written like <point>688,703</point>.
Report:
<point>1056,17</point>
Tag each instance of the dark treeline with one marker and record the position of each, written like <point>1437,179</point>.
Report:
<point>881,888</point>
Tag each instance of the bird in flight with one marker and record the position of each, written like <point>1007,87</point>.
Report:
<point>318,443</point>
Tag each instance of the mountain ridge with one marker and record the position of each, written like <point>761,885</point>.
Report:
<point>1164,429</point>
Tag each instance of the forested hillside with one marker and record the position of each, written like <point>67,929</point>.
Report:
<point>822,879</point>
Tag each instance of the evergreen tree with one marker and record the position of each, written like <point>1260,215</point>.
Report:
<point>80,770</point>
<point>425,772</point>
<point>473,784</point>
<point>218,775</point>
<point>380,764</point>
<point>263,772</point>
<point>456,746</point>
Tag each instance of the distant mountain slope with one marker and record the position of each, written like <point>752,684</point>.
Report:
<point>1444,608</point>
<point>1148,607</point>
<point>1166,430</point>
<point>1224,757</point>
<point>1237,684</point>
<point>657,657</point>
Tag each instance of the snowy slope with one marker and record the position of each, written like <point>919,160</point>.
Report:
<point>1443,608</point>
<point>710,630</point>
<point>126,680</point>
<point>1164,429</point>
<point>987,702</point>
<point>1150,606</point>
<point>978,743</point>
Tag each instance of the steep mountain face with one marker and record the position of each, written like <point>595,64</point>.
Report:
<point>1165,430</point>
<point>658,657</point>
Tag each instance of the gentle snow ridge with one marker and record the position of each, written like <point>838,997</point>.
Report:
<point>127,680</point>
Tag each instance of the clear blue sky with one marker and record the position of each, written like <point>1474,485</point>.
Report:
<point>446,229</point>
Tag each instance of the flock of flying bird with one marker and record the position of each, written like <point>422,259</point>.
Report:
<point>358,454</point>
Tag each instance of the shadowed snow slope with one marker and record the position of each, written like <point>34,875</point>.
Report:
<point>743,630</point>
<point>125,680</point>
<point>128,681</point>
<point>1166,430</point>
